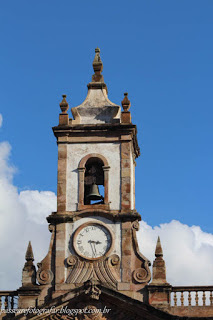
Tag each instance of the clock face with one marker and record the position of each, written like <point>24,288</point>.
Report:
<point>92,240</point>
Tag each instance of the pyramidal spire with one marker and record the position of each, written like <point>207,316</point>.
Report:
<point>158,250</point>
<point>159,288</point>
<point>29,253</point>
<point>159,266</point>
<point>29,272</point>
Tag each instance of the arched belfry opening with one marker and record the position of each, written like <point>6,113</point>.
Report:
<point>94,182</point>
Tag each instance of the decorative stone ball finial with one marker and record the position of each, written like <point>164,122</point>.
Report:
<point>126,104</point>
<point>64,105</point>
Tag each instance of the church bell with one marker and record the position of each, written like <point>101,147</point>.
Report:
<point>94,193</point>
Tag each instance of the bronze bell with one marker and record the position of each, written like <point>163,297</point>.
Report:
<point>94,193</point>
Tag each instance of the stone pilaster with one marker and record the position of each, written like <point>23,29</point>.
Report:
<point>60,254</point>
<point>125,176</point>
<point>62,178</point>
<point>126,252</point>
<point>81,172</point>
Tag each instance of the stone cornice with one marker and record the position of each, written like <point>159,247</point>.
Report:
<point>29,290</point>
<point>71,216</point>
<point>100,132</point>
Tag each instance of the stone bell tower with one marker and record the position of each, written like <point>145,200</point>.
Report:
<point>94,228</point>
<point>93,268</point>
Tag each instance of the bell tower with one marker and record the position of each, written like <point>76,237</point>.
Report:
<point>96,148</point>
<point>94,268</point>
<point>94,228</point>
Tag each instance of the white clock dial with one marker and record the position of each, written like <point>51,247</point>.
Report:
<point>92,240</point>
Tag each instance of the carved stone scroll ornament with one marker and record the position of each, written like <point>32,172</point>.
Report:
<point>44,276</point>
<point>135,225</point>
<point>71,261</point>
<point>44,273</point>
<point>140,275</point>
<point>51,228</point>
<point>114,259</point>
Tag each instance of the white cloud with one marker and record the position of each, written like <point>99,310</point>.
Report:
<point>38,204</point>
<point>188,251</point>
<point>1,120</point>
<point>6,170</point>
<point>19,223</point>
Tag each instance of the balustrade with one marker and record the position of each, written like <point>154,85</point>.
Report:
<point>192,296</point>
<point>8,300</point>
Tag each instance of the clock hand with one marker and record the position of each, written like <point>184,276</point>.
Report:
<point>92,243</point>
<point>95,248</point>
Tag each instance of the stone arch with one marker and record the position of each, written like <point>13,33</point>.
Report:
<point>83,161</point>
<point>81,171</point>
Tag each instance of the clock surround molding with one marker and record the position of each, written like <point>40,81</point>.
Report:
<point>89,223</point>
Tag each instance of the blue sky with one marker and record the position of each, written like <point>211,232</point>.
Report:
<point>158,51</point>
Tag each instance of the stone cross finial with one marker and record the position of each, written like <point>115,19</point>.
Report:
<point>97,67</point>
<point>158,250</point>
<point>126,104</point>
<point>64,104</point>
<point>29,253</point>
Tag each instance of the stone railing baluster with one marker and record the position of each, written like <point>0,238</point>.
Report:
<point>175,299</point>
<point>189,298</point>
<point>181,299</point>
<point>196,298</point>
<point>211,298</point>
<point>12,302</point>
<point>204,298</point>
<point>6,303</point>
